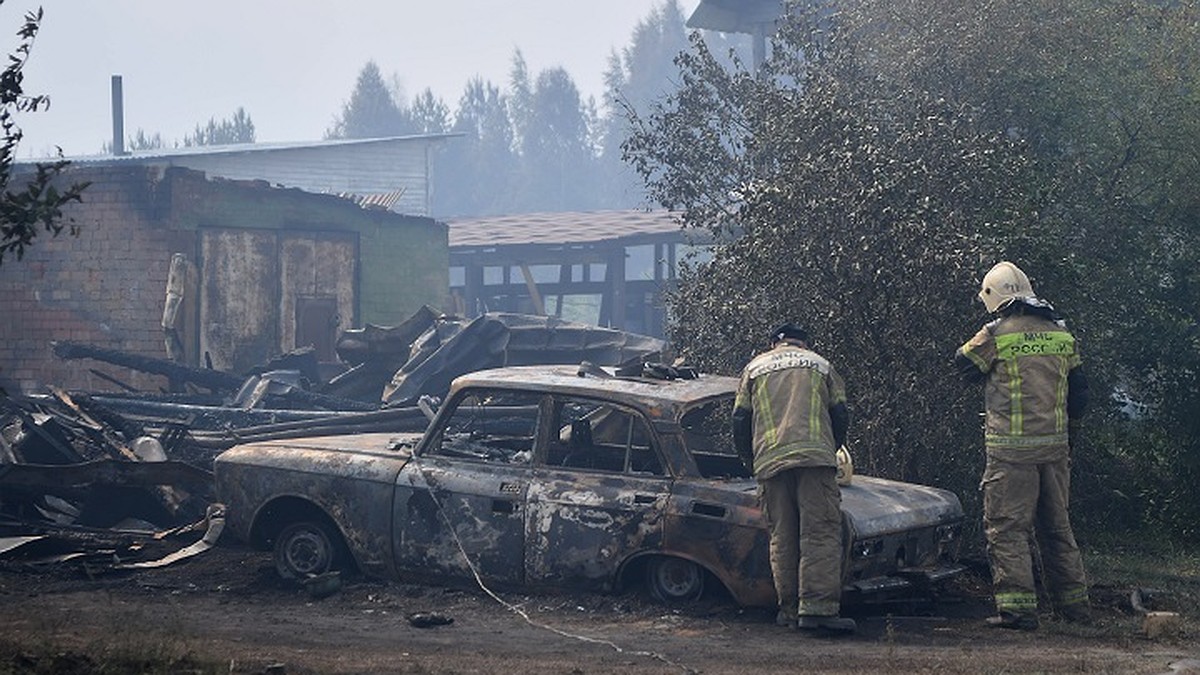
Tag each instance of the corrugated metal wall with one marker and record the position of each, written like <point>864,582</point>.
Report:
<point>362,169</point>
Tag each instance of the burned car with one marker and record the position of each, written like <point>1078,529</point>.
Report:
<point>569,477</point>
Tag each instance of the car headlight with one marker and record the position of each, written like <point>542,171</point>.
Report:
<point>867,548</point>
<point>947,540</point>
<point>947,534</point>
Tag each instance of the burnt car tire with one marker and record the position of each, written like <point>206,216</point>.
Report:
<point>674,580</point>
<point>306,549</point>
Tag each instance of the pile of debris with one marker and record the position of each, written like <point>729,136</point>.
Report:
<point>120,470</point>
<point>78,482</point>
<point>389,369</point>
<point>73,462</point>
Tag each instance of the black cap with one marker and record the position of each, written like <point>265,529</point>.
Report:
<point>789,331</point>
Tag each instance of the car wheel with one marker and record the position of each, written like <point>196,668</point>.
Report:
<point>674,580</point>
<point>307,549</point>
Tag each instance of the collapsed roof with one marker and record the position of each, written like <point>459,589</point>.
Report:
<point>436,349</point>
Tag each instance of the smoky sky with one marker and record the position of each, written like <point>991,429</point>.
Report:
<point>290,64</point>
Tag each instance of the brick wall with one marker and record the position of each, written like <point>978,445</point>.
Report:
<point>105,287</point>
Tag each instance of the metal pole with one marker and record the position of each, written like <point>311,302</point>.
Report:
<point>118,117</point>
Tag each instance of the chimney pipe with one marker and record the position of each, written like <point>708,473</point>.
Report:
<point>118,118</point>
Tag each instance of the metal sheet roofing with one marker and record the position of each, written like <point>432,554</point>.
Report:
<point>572,227</point>
<point>167,154</point>
<point>390,172</point>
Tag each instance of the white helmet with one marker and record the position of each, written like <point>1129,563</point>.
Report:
<point>1002,284</point>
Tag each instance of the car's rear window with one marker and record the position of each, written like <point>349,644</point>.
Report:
<point>601,436</point>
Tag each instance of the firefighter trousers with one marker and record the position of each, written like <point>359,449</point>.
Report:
<point>803,508</point>
<point>1021,501</point>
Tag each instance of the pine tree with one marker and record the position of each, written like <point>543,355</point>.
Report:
<point>371,112</point>
<point>237,129</point>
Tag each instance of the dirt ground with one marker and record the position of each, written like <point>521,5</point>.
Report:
<point>225,611</point>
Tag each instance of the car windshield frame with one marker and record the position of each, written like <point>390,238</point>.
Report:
<point>706,432</point>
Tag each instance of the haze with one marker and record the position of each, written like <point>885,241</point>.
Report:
<point>291,64</point>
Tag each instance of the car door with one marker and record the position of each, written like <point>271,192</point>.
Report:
<point>597,494</point>
<point>459,506</point>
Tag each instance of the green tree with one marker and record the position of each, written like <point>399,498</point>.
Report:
<point>428,114</point>
<point>557,163</point>
<point>28,204</point>
<point>1105,93</point>
<point>371,112</point>
<point>643,72</point>
<point>520,98</point>
<point>847,207</point>
<point>474,174</point>
<point>880,162</point>
<point>140,140</point>
<point>236,129</point>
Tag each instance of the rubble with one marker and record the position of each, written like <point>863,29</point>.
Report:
<point>387,367</point>
<point>69,462</point>
<point>128,545</point>
<point>423,355</point>
<point>91,477</point>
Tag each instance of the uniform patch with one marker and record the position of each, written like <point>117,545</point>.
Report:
<point>785,360</point>
<point>1050,343</point>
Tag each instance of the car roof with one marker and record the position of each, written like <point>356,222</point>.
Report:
<point>568,379</point>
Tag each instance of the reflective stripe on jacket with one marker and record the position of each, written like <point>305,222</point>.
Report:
<point>789,391</point>
<point>1027,359</point>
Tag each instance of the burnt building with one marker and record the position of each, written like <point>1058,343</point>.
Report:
<point>607,268</point>
<point>256,270</point>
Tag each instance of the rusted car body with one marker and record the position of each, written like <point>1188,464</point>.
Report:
<point>555,476</point>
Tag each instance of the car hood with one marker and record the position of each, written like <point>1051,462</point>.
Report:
<point>878,506</point>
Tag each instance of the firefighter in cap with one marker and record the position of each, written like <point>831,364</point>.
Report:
<point>1035,394</point>
<point>789,417</point>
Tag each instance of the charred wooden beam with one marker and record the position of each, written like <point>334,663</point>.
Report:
<point>323,401</point>
<point>203,377</point>
<point>112,380</point>
<point>395,420</point>
<point>103,435</point>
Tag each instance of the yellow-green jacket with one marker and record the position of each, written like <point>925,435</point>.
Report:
<point>790,409</point>
<point>1034,386</point>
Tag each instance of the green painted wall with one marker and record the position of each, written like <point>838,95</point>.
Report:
<point>403,260</point>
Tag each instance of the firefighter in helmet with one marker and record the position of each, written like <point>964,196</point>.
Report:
<point>789,417</point>
<point>1034,396</point>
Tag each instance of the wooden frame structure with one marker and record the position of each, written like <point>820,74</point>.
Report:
<point>608,268</point>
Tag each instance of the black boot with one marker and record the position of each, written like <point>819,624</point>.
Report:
<point>832,624</point>
<point>1013,620</point>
